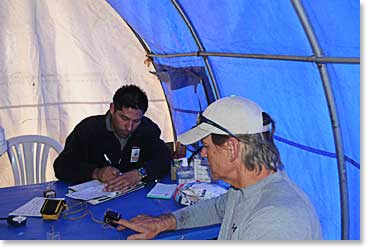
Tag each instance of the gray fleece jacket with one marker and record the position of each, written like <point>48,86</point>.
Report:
<point>273,209</point>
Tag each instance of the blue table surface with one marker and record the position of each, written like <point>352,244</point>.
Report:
<point>86,228</point>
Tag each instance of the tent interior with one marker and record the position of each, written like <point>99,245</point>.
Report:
<point>61,61</point>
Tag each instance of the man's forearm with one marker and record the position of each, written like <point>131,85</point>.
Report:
<point>168,222</point>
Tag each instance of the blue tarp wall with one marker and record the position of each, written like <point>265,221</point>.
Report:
<point>271,52</point>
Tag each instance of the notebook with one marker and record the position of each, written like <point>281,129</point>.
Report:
<point>162,191</point>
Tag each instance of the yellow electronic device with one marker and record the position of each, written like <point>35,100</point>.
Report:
<point>52,208</point>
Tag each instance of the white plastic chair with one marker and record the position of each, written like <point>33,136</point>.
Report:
<point>28,156</point>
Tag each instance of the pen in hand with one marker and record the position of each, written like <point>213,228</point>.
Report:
<point>110,163</point>
<point>107,159</point>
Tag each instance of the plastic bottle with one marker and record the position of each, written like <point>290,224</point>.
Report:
<point>185,173</point>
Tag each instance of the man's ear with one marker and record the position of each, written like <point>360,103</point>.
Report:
<point>112,108</point>
<point>233,146</point>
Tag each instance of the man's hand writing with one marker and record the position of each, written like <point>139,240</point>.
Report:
<point>123,182</point>
<point>148,227</point>
<point>105,174</point>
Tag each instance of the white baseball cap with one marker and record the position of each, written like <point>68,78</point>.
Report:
<point>231,115</point>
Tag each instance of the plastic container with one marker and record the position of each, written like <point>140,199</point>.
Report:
<point>202,170</point>
<point>184,172</point>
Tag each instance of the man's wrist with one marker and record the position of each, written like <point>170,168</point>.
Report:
<point>95,173</point>
<point>142,172</point>
<point>168,221</point>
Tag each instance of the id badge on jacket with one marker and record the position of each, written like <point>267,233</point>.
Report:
<point>135,152</point>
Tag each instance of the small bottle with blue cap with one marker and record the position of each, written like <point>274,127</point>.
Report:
<point>185,173</point>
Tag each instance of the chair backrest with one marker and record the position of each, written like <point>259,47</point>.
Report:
<point>28,156</point>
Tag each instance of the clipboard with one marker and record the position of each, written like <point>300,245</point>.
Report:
<point>115,194</point>
<point>92,192</point>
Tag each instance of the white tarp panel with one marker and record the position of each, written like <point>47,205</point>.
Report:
<point>61,61</point>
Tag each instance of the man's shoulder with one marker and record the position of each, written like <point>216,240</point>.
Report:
<point>149,126</point>
<point>147,121</point>
<point>94,118</point>
<point>96,121</point>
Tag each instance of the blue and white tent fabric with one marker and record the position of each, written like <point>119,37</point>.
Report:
<point>299,59</point>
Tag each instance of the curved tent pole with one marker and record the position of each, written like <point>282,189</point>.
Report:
<point>342,60</point>
<point>148,51</point>
<point>142,42</point>
<point>200,47</point>
<point>333,117</point>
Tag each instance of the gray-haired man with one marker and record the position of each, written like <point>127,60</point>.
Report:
<point>262,204</point>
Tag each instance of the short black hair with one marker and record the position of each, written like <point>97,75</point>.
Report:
<point>130,96</point>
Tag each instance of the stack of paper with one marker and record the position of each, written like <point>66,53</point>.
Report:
<point>162,191</point>
<point>92,192</point>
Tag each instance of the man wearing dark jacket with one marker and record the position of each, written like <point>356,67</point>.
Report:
<point>120,148</point>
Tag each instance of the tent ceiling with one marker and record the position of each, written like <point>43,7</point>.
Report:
<point>62,61</point>
<point>298,59</point>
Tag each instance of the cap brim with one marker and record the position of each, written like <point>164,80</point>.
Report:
<point>193,135</point>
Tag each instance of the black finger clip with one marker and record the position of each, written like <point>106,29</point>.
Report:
<point>111,217</point>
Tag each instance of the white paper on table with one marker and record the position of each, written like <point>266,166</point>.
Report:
<point>86,185</point>
<point>92,192</point>
<point>89,190</point>
<point>32,207</point>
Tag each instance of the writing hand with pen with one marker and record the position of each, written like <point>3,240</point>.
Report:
<point>115,180</point>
